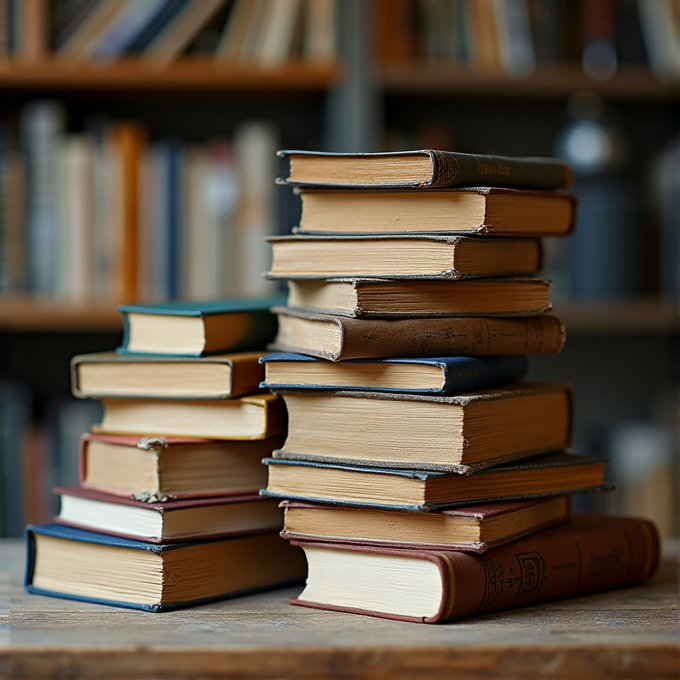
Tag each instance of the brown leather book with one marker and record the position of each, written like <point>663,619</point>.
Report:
<point>336,337</point>
<point>588,554</point>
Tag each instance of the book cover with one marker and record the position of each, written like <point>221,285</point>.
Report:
<point>435,169</point>
<point>459,374</point>
<point>588,554</point>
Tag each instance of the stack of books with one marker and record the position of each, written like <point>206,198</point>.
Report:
<point>167,512</point>
<point>423,479</point>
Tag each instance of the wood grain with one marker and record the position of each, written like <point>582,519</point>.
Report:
<point>628,633</point>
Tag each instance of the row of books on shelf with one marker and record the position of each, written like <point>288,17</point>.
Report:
<point>110,216</point>
<point>513,37</point>
<point>263,32</point>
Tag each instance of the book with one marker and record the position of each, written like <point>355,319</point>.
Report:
<point>554,474</point>
<point>197,328</point>
<point>93,567</point>
<point>433,375</point>
<point>364,298</point>
<point>169,521</point>
<point>488,211</point>
<point>255,416</point>
<point>336,337</point>
<point>423,168</point>
<point>170,468</point>
<point>475,528</point>
<point>221,376</point>
<point>459,433</point>
<point>398,257</point>
<point>590,553</point>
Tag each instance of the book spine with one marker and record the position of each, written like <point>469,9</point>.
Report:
<point>451,169</point>
<point>476,336</point>
<point>550,565</point>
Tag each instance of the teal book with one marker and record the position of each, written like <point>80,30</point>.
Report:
<point>199,328</point>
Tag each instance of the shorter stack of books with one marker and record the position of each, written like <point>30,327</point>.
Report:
<point>167,512</point>
<point>422,477</point>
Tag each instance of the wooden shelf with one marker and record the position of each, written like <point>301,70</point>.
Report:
<point>25,314</point>
<point>185,74</point>
<point>629,83</point>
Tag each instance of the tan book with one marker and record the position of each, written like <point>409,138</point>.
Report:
<point>256,416</point>
<point>473,211</point>
<point>336,337</point>
<point>399,257</point>
<point>362,298</point>
<point>461,433</point>
<point>108,374</point>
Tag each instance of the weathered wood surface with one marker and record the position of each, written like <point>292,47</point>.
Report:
<point>629,633</point>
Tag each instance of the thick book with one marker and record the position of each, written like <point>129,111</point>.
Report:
<point>339,338</point>
<point>392,488</point>
<point>474,528</point>
<point>109,374</point>
<point>255,416</point>
<point>168,468</point>
<point>408,256</point>
<point>169,521</point>
<point>197,328</point>
<point>435,375</point>
<point>590,553</point>
<point>424,168</point>
<point>92,567</point>
<point>364,298</point>
<point>459,433</point>
<point>484,210</point>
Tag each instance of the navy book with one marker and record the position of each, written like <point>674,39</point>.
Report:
<point>91,567</point>
<point>426,375</point>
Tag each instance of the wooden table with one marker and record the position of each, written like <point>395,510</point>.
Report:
<point>629,633</point>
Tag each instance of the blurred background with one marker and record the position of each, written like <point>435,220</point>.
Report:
<point>137,163</point>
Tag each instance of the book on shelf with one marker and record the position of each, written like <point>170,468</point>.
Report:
<point>169,468</point>
<point>544,476</point>
<point>434,375</point>
<point>93,567</point>
<point>339,338</point>
<point>460,433</point>
<point>488,211</point>
<point>169,521</point>
<point>394,256</point>
<point>589,553</point>
<point>197,328</point>
<point>221,376</point>
<point>365,298</point>
<point>423,168</point>
<point>254,416</point>
<point>474,528</point>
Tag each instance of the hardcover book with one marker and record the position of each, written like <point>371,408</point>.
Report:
<point>436,375</point>
<point>339,338</point>
<point>108,374</point>
<point>459,433</point>
<point>363,298</point>
<point>356,485</point>
<point>255,416</point>
<point>197,328</point>
<point>169,521</point>
<point>475,528</point>
<point>423,168</point>
<point>488,211</point>
<point>590,553</point>
<point>168,468</point>
<point>414,256</point>
<point>121,572</point>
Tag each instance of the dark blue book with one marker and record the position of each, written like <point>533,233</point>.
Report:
<point>198,328</point>
<point>157,25</point>
<point>429,375</point>
<point>83,565</point>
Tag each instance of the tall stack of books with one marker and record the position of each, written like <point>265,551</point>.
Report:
<point>424,480</point>
<point>167,512</point>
